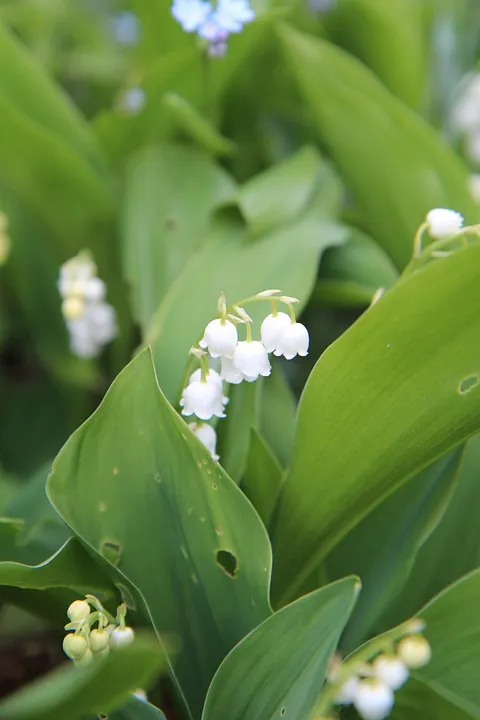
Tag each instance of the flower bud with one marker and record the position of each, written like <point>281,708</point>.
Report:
<point>78,610</point>
<point>73,308</point>
<point>391,669</point>
<point>415,651</point>
<point>373,699</point>
<point>346,694</point>
<point>99,640</point>
<point>220,337</point>
<point>74,646</point>
<point>86,659</point>
<point>443,223</point>
<point>121,637</point>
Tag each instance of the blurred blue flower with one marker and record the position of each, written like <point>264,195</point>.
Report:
<point>126,28</point>
<point>213,24</point>
<point>191,14</point>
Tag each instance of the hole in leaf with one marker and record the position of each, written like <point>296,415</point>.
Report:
<point>468,383</point>
<point>102,716</point>
<point>228,562</point>
<point>283,711</point>
<point>111,551</point>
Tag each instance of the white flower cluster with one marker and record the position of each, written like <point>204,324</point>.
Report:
<point>371,687</point>
<point>240,360</point>
<point>91,322</point>
<point>465,116</point>
<point>85,643</point>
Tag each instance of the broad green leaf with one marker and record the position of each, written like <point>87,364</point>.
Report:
<point>103,685</point>
<point>135,484</point>
<point>234,431</point>
<point>352,273</point>
<point>231,262</point>
<point>383,547</point>
<point>380,33</point>
<point>170,195</point>
<point>137,710</point>
<point>453,549</point>
<point>453,631</point>
<point>277,413</point>
<point>384,401</point>
<point>193,124</point>
<point>262,478</point>
<point>396,165</point>
<point>421,700</point>
<point>26,85</point>
<point>70,567</point>
<point>278,195</point>
<point>279,669</point>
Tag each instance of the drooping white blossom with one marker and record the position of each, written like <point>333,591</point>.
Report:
<point>272,329</point>
<point>251,359</point>
<point>207,435</point>
<point>373,699</point>
<point>391,669</point>
<point>220,337</point>
<point>443,223</point>
<point>293,340</point>
<point>121,637</point>
<point>204,397</point>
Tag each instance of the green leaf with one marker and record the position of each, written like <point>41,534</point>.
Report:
<point>421,700</point>
<point>263,477</point>
<point>170,195</point>
<point>352,273</point>
<point>102,686</point>
<point>453,630</point>
<point>453,549</point>
<point>26,85</point>
<point>396,397</point>
<point>278,409</point>
<point>135,484</point>
<point>230,262</point>
<point>379,33</point>
<point>278,195</point>
<point>70,567</point>
<point>234,431</point>
<point>279,669</point>
<point>382,548</point>
<point>191,122</point>
<point>397,167</point>
<point>137,710</point>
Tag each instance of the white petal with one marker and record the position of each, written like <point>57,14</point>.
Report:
<point>251,359</point>
<point>293,341</point>
<point>391,669</point>
<point>203,399</point>
<point>229,372</point>
<point>207,435</point>
<point>346,694</point>
<point>443,223</point>
<point>373,699</point>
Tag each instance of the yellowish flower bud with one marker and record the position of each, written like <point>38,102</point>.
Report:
<point>86,658</point>
<point>74,646</point>
<point>73,308</point>
<point>78,610</point>
<point>99,640</point>
<point>415,651</point>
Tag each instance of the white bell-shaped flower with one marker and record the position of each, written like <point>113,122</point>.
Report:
<point>212,376</point>
<point>272,329</point>
<point>373,699</point>
<point>121,637</point>
<point>207,435</point>
<point>294,340</point>
<point>229,372</point>
<point>443,223</point>
<point>220,337</point>
<point>103,322</point>
<point>204,398</point>
<point>346,694</point>
<point>94,290</point>
<point>391,669</point>
<point>415,651</point>
<point>251,359</point>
